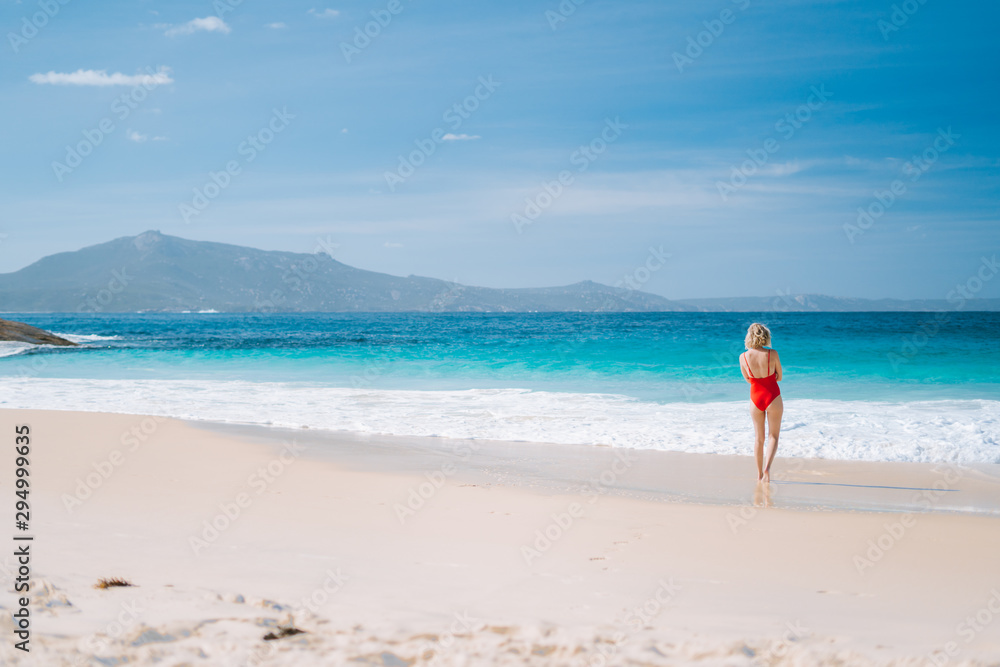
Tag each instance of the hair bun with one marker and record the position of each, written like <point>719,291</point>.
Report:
<point>758,336</point>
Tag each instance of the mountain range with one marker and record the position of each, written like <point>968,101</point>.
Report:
<point>160,273</point>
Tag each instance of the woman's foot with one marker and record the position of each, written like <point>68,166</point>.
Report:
<point>766,477</point>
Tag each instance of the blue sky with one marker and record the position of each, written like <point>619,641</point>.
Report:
<point>186,88</point>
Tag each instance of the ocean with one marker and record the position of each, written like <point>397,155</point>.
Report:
<point>862,386</point>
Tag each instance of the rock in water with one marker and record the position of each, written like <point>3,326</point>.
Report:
<point>25,333</point>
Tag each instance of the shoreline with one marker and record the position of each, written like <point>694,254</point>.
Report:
<point>655,475</point>
<point>493,564</point>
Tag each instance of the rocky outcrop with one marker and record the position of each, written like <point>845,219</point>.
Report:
<point>25,333</point>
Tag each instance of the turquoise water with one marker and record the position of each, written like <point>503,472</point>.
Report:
<point>660,357</point>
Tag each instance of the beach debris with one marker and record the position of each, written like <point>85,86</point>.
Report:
<point>113,582</point>
<point>283,632</point>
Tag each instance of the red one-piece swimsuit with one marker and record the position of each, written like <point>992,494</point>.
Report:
<point>764,390</point>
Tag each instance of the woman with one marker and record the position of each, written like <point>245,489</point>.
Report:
<point>761,367</point>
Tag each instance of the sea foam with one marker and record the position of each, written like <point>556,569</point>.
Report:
<point>958,431</point>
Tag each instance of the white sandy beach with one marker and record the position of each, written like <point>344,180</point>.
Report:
<point>400,551</point>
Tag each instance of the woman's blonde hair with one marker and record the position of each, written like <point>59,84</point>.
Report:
<point>757,336</point>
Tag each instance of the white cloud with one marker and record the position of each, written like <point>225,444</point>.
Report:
<point>208,24</point>
<point>277,26</point>
<point>460,137</point>
<point>389,244</point>
<point>139,138</point>
<point>344,131</point>
<point>91,77</point>
<point>325,13</point>
<point>782,168</point>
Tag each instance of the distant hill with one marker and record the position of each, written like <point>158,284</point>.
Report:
<point>818,303</point>
<point>160,273</point>
<point>156,272</point>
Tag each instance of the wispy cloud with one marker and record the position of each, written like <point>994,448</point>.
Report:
<point>91,77</point>
<point>782,168</point>
<point>276,26</point>
<point>390,244</point>
<point>139,138</point>
<point>208,24</point>
<point>324,13</point>
<point>460,137</point>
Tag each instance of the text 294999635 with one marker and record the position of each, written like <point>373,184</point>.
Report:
<point>22,541</point>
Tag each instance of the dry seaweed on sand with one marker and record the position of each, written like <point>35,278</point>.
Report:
<point>283,632</point>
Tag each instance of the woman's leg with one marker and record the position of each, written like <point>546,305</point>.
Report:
<point>758,446</point>
<point>774,412</point>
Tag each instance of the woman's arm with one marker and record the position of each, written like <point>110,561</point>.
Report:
<point>777,365</point>
<point>743,370</point>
